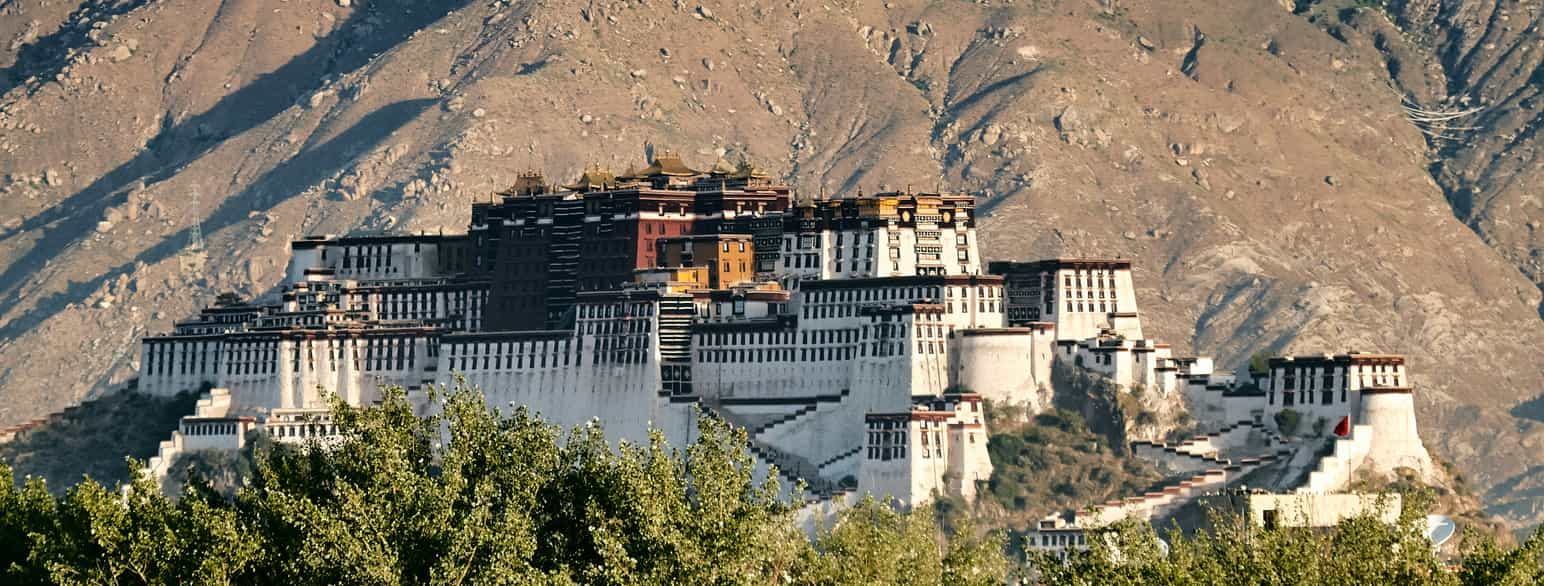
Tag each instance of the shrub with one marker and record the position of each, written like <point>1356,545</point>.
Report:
<point>1287,421</point>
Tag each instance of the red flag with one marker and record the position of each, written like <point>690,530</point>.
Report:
<point>1343,428</point>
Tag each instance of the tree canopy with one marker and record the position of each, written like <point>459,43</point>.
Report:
<point>472,496</point>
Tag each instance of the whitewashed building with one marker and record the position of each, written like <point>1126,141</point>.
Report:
<point>856,339</point>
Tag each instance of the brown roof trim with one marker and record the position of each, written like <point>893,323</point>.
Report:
<point>750,325</point>
<point>823,284</point>
<point>507,336</point>
<point>751,295</point>
<point>1387,390</point>
<point>1050,264</point>
<point>241,418</point>
<point>993,331</point>
<point>910,416</point>
<point>1353,358</point>
<point>707,238</point>
<point>314,241</point>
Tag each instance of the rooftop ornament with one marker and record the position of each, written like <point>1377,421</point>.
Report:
<point>527,183</point>
<point>668,164</point>
<point>594,178</point>
<point>748,170</point>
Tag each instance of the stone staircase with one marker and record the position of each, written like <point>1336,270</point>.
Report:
<point>792,469</point>
<point>767,425</point>
<point>215,403</point>
<point>1334,471</point>
<point>1228,439</point>
<point>1163,499</point>
<point>1174,459</point>
<point>838,458</point>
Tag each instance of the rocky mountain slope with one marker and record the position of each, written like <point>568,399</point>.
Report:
<point>1259,160</point>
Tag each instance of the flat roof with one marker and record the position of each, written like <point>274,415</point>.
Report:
<point>1336,359</point>
<point>1008,266</point>
<point>906,281</point>
<point>317,240</point>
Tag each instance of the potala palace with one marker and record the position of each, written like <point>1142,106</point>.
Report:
<point>856,339</point>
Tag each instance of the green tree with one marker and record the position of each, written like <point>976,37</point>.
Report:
<point>468,495</point>
<point>1485,562</point>
<point>1287,421</point>
<point>1260,363</point>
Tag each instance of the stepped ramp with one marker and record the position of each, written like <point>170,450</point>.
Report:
<point>1164,499</point>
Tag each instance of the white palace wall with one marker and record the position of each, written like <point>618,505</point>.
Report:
<point>611,372</point>
<point>1005,365</point>
<point>1396,442</point>
<point>932,448</point>
<point>270,371</point>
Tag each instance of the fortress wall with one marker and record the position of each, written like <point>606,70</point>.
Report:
<point>888,478</point>
<point>969,461</point>
<point>168,366</point>
<point>847,465</point>
<point>1335,471</point>
<point>1243,408</point>
<point>1396,442</point>
<point>818,435</point>
<point>1236,437</point>
<point>1207,407</point>
<point>1009,367</point>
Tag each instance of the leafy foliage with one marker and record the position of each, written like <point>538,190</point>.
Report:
<point>473,496</point>
<point>1287,421</point>
<point>1359,550</point>
<point>1053,463</point>
<point>93,438</point>
<point>1259,364</point>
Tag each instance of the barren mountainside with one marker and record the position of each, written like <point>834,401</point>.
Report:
<point>1294,177</point>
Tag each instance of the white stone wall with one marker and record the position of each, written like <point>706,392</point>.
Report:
<point>1336,470</point>
<point>1007,366</point>
<point>914,455</point>
<point>610,372</point>
<point>1175,461</point>
<point>879,251</point>
<point>215,434</point>
<point>405,258</point>
<point>1396,443</point>
<point>1320,510</point>
<point>1085,300</point>
<point>1306,392</point>
<point>206,422</point>
<point>173,364</point>
<point>969,462</point>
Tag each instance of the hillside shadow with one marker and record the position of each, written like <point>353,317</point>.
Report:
<point>306,168</point>
<point>93,438</point>
<point>49,54</point>
<point>1532,409</point>
<point>184,142</point>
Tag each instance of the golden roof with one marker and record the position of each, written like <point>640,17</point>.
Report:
<point>528,183</point>
<point>722,167</point>
<point>748,170</point>
<point>594,178</point>
<point>668,163</point>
